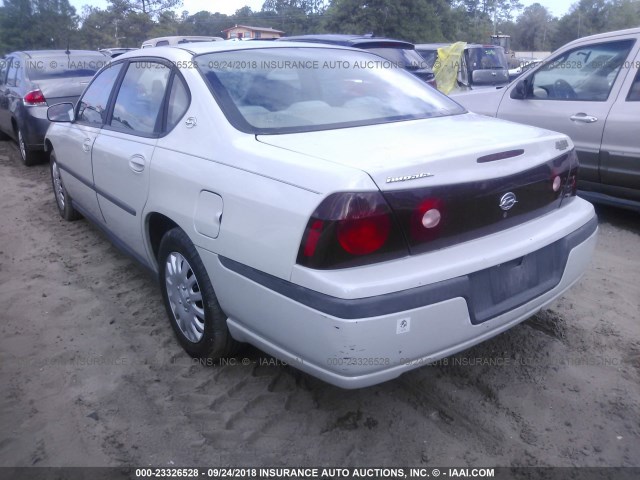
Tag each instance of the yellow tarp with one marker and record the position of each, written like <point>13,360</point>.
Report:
<point>447,66</point>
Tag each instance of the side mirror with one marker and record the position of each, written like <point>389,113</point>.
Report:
<point>519,92</point>
<point>61,113</point>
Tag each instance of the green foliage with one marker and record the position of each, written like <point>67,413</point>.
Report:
<point>413,20</point>
<point>536,28</point>
<point>30,24</point>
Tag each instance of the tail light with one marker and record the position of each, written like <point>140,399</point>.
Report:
<point>349,229</point>
<point>34,98</point>
<point>565,184</point>
<point>571,187</point>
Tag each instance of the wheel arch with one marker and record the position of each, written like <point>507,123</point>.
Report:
<point>157,225</point>
<point>48,146</point>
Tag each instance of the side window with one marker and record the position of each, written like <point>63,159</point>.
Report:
<point>634,91</point>
<point>12,76</point>
<point>178,102</point>
<point>162,43</point>
<point>92,107</point>
<point>584,73</point>
<point>140,97</point>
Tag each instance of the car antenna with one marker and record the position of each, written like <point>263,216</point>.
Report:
<point>67,50</point>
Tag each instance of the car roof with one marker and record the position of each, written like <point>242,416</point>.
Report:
<point>177,51</point>
<point>358,41</point>
<point>56,53</point>
<point>603,36</point>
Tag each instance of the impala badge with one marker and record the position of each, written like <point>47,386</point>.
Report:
<point>408,177</point>
<point>507,201</point>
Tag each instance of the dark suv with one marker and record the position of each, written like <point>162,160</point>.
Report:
<point>399,52</point>
<point>481,66</point>
<point>31,81</point>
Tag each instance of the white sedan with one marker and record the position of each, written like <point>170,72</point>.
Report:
<point>320,204</point>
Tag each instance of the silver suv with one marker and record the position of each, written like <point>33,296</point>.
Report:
<point>589,89</point>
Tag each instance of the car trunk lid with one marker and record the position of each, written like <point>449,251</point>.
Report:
<point>450,179</point>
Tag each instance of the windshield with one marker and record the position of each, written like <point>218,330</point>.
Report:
<point>486,58</point>
<point>64,66</point>
<point>296,89</point>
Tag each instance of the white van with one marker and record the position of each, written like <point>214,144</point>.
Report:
<point>177,40</point>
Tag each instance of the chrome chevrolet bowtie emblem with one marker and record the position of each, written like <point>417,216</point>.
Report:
<point>507,201</point>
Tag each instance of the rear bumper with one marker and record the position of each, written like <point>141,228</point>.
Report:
<point>35,125</point>
<point>357,342</point>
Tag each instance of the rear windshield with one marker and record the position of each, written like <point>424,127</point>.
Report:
<point>486,58</point>
<point>297,89</point>
<point>404,57</point>
<point>429,56</point>
<point>65,66</point>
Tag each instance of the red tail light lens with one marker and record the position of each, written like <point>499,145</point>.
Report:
<point>362,236</point>
<point>349,229</point>
<point>34,98</point>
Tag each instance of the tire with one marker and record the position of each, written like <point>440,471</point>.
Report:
<point>29,157</point>
<point>191,303</point>
<point>63,199</point>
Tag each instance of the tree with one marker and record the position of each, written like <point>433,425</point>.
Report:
<point>205,23</point>
<point>36,24</point>
<point>151,7</point>
<point>535,29</point>
<point>588,17</point>
<point>413,20</point>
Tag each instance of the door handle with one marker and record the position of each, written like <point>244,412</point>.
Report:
<point>137,163</point>
<point>86,145</point>
<point>583,118</point>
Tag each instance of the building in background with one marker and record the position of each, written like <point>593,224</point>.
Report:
<point>255,33</point>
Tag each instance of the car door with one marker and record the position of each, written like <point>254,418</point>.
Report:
<point>122,152</point>
<point>620,154</point>
<point>572,93</point>
<point>73,148</point>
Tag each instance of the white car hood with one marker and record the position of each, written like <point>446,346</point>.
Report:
<point>428,152</point>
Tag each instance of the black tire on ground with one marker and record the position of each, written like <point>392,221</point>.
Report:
<point>63,200</point>
<point>29,157</point>
<point>188,296</point>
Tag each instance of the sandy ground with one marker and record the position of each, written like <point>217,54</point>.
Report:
<point>91,374</point>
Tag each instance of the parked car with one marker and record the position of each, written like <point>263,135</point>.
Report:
<point>115,51</point>
<point>526,64</point>
<point>402,54</point>
<point>32,80</point>
<point>480,66</point>
<point>589,89</point>
<point>178,40</point>
<point>352,222</point>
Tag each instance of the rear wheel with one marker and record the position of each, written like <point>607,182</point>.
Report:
<point>29,157</point>
<point>191,303</point>
<point>63,200</point>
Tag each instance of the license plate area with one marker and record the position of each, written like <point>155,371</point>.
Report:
<point>503,287</point>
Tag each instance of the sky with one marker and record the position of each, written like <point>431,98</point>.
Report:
<point>556,7</point>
